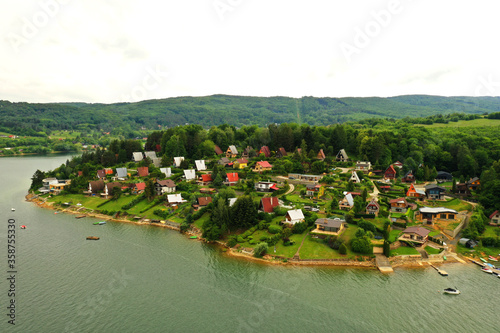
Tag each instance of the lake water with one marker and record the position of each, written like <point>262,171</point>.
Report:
<point>149,279</point>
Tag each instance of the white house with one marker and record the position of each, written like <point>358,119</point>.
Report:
<point>354,177</point>
<point>137,156</point>
<point>174,199</point>
<point>190,174</point>
<point>150,154</point>
<point>166,171</point>
<point>200,165</point>
<point>294,216</point>
<point>178,160</point>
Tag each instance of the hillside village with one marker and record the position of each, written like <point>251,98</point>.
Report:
<point>242,197</point>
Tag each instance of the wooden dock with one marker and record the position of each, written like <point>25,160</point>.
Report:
<point>440,271</point>
<point>383,263</point>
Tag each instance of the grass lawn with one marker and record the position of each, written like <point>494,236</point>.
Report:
<point>467,123</point>
<point>349,233</point>
<point>315,248</point>
<point>479,251</point>
<point>434,233</point>
<point>432,250</point>
<point>87,202</point>
<point>491,231</point>
<point>199,222</point>
<point>455,204</point>
<point>404,250</point>
<point>394,235</point>
<point>287,251</point>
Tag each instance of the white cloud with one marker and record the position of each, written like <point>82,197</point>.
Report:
<point>103,51</point>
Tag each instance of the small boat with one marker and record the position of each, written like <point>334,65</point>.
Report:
<point>13,209</point>
<point>483,260</point>
<point>193,237</point>
<point>79,216</point>
<point>491,258</point>
<point>23,227</point>
<point>444,258</point>
<point>92,238</point>
<point>100,223</point>
<point>452,291</point>
<point>487,270</point>
<point>491,265</point>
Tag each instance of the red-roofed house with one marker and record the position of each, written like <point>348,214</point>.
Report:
<point>262,166</point>
<point>281,152</point>
<point>265,186</point>
<point>267,204</point>
<point>390,173</point>
<point>205,179</point>
<point>373,207</point>
<point>398,164</point>
<point>218,151</point>
<point>399,205</point>
<point>241,163</point>
<point>495,218</point>
<point>265,150</point>
<point>414,193</point>
<point>101,174</point>
<point>143,171</point>
<point>232,178</point>
<point>138,188</point>
<point>204,201</point>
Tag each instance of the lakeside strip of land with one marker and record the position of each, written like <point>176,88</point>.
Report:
<point>369,263</point>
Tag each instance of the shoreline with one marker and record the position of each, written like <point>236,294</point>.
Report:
<point>396,262</point>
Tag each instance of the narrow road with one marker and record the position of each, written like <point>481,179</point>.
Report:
<point>291,189</point>
<point>375,192</point>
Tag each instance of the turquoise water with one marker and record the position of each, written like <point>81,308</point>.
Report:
<point>148,279</point>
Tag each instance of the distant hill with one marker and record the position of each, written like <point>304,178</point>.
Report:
<point>233,110</point>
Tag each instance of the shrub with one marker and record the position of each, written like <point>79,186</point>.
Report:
<point>263,238</point>
<point>274,229</point>
<point>240,239</point>
<point>299,228</point>
<point>343,249</point>
<point>260,250</point>
<point>231,242</point>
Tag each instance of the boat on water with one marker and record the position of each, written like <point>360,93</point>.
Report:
<point>79,216</point>
<point>491,258</point>
<point>92,238</point>
<point>452,291</point>
<point>23,227</point>
<point>100,223</point>
<point>483,260</point>
<point>13,209</point>
<point>487,270</point>
<point>193,237</point>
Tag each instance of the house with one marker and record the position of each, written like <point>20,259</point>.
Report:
<point>96,187</point>
<point>164,186</point>
<point>101,174</point>
<point>473,184</point>
<point>200,165</point>
<point>138,188</point>
<point>205,179</point>
<point>217,150</point>
<point>415,234</point>
<point>468,243</point>
<point>151,155</point>
<point>265,150</point>
<point>166,171</point>
<point>262,166</point>
<point>231,152</point>
<point>363,166</point>
<point>137,156</point>
<point>373,207</point>
<point>390,173</point>
<point>224,161</point>
<point>121,173</point>
<point>204,201</point>
<point>174,200</point>
<point>354,178</point>
<point>232,178</point>
<point>435,192</point>
<point>309,178</point>
<point>267,204</point>
<point>108,171</point>
<point>342,156</point>
<point>281,152</point>
<point>321,155</point>
<point>177,161</point>
<point>294,216</point>
<point>190,174</point>
<point>398,164</point>
<point>399,205</point>
<point>443,176</point>
<point>415,193</point>
<point>108,188</point>
<point>156,162</point>
<point>241,163</point>
<point>313,189</point>
<point>266,187</point>
<point>55,187</point>
<point>329,226</point>
<point>46,184</point>
<point>495,218</point>
<point>246,152</point>
<point>462,189</point>
<point>429,215</point>
<point>409,177</point>
<point>347,203</point>
<point>143,171</point>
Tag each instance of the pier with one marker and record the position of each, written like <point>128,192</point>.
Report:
<point>440,271</point>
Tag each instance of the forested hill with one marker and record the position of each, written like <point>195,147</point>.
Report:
<point>28,118</point>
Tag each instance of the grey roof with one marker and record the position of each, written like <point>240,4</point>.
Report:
<point>137,156</point>
<point>233,150</point>
<point>433,186</point>
<point>417,230</point>
<point>121,172</point>
<point>166,182</point>
<point>150,154</point>
<point>437,210</point>
<point>332,223</point>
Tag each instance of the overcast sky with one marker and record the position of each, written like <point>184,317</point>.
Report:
<point>121,50</point>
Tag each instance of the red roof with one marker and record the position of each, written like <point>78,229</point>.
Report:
<point>207,177</point>
<point>203,201</point>
<point>264,164</point>
<point>242,161</point>
<point>494,213</point>
<point>143,171</point>
<point>232,177</point>
<point>390,172</point>
<point>218,151</point>
<point>274,187</point>
<point>265,150</point>
<point>268,203</point>
<point>140,186</point>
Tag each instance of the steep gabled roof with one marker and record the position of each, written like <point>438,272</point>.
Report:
<point>203,201</point>
<point>150,154</point>
<point>178,160</point>
<point>373,203</point>
<point>140,186</point>
<point>101,173</point>
<point>494,213</point>
<point>190,174</point>
<point>121,172</point>
<point>233,150</point>
<point>265,150</point>
<point>321,155</point>
<point>166,171</point>
<point>97,186</point>
<point>282,152</point>
<point>143,171</point>
<point>264,164</point>
<point>268,204</point>
<point>207,177</point>
<point>200,165</point>
<point>217,150</point>
<point>390,170</point>
<point>232,177</point>
<point>137,156</point>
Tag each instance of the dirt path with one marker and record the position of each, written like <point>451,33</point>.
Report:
<point>375,192</point>
<point>291,189</point>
